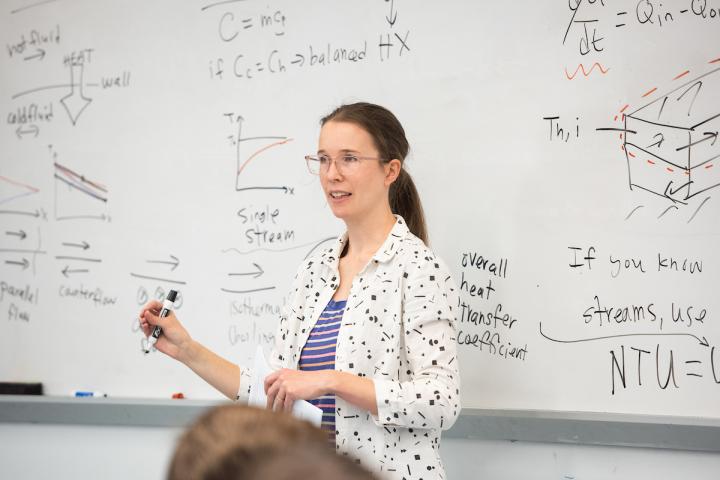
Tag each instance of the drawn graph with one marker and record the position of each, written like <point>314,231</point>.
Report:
<point>12,190</point>
<point>78,197</point>
<point>669,140</point>
<point>249,152</point>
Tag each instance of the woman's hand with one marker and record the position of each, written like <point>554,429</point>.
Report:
<point>175,340</point>
<point>285,386</point>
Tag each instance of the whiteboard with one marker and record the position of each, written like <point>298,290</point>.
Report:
<point>566,155</point>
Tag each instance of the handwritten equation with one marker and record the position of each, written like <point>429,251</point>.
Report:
<point>238,24</point>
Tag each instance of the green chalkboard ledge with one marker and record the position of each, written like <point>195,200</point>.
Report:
<point>583,428</point>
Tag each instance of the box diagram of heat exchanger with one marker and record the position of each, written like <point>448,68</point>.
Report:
<point>671,143</point>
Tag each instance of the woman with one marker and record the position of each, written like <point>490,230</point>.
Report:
<point>369,332</point>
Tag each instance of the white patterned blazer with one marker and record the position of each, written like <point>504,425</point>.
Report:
<point>399,329</point>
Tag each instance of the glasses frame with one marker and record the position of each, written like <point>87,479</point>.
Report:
<point>315,158</point>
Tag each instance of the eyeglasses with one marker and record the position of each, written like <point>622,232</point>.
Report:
<point>345,163</point>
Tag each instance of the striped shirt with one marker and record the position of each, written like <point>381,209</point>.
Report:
<point>319,354</point>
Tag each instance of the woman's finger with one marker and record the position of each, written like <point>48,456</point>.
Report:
<point>144,326</point>
<point>270,379</point>
<point>154,319</point>
<point>271,394</point>
<point>152,305</point>
<point>289,402</point>
<point>279,402</point>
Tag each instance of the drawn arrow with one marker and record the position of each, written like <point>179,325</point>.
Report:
<point>174,262</point>
<point>393,15</point>
<point>669,192</point>
<point>40,54</point>
<point>299,59</point>
<point>257,273</point>
<point>18,212</point>
<point>20,234</point>
<point>285,189</point>
<point>659,142</point>
<point>227,290</point>
<point>31,129</point>
<point>102,217</point>
<point>714,135</point>
<point>703,341</point>
<point>67,270</point>
<point>84,245</point>
<point>708,136</point>
<point>24,264</point>
<point>75,102</point>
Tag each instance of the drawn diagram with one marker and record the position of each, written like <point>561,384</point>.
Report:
<point>77,197</point>
<point>12,190</point>
<point>172,262</point>
<point>24,257</point>
<point>249,150</point>
<point>670,141</point>
<point>74,102</point>
<point>246,276</point>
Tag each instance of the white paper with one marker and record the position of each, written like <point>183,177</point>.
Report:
<point>301,409</point>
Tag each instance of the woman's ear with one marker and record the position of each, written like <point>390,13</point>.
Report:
<point>392,171</point>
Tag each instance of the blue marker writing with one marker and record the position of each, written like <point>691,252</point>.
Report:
<point>166,309</point>
<point>87,393</point>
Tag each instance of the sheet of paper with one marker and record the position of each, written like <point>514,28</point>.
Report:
<point>302,409</point>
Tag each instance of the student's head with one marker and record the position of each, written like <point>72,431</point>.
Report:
<point>366,175</point>
<point>229,442</point>
<point>302,463</point>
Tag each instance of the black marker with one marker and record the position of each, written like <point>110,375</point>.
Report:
<point>166,309</point>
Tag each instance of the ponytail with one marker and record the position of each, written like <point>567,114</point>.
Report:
<point>405,201</point>
<point>389,137</point>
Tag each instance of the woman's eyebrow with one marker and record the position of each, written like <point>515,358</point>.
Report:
<point>342,150</point>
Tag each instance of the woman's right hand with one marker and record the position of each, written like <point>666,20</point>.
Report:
<point>175,341</point>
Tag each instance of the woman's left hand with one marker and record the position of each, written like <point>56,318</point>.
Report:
<point>285,386</point>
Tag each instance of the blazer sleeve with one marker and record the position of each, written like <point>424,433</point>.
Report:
<point>430,398</point>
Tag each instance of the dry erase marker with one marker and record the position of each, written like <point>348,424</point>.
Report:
<point>87,393</point>
<point>166,309</point>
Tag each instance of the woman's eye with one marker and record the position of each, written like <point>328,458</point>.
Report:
<point>350,159</point>
<point>323,159</point>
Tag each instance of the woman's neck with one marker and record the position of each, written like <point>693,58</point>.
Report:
<point>367,235</point>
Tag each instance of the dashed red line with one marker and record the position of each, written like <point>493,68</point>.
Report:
<point>615,119</point>
<point>714,61</point>
<point>682,74</point>
<point>670,169</point>
<point>631,154</point>
<point>649,92</point>
<point>651,162</point>
<point>624,108</point>
<point>709,165</point>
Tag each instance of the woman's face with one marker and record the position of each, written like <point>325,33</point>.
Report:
<point>355,182</point>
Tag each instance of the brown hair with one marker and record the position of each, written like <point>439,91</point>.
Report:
<point>310,463</point>
<point>389,138</point>
<point>230,441</point>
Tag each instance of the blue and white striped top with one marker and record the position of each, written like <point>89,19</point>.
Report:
<point>319,354</point>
